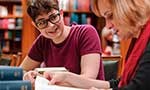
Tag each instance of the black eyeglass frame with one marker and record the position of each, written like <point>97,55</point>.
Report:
<point>48,20</point>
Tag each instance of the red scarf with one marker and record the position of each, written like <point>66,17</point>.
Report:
<point>133,60</point>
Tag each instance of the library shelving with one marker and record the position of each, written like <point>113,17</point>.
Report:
<point>10,26</point>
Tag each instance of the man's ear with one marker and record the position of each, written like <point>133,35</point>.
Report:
<point>33,24</point>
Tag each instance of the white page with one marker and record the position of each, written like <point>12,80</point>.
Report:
<point>42,84</point>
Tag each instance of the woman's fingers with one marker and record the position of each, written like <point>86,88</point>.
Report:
<point>30,76</point>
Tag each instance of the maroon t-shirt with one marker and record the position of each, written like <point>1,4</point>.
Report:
<point>82,39</point>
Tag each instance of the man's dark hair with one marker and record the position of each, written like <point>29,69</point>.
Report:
<point>37,7</point>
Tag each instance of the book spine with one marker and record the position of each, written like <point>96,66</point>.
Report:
<point>10,73</point>
<point>15,85</point>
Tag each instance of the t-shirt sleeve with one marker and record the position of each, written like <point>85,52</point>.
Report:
<point>89,41</point>
<point>35,51</point>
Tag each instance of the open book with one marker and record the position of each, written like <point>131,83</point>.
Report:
<point>52,69</point>
<point>42,84</point>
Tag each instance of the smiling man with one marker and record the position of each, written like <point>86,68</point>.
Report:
<point>77,47</point>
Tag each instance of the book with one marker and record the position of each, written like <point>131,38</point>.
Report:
<point>82,6</point>
<point>17,10</point>
<point>64,4</point>
<point>3,11</point>
<point>42,84</point>
<point>5,61</point>
<point>10,73</point>
<point>15,85</point>
<point>52,69</point>
<point>74,18</point>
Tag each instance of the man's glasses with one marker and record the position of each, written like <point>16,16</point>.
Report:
<point>53,18</point>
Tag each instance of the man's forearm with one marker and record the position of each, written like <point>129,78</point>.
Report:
<point>84,82</point>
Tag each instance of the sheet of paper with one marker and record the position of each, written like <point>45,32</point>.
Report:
<point>42,84</point>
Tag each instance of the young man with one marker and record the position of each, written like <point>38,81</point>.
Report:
<point>77,48</point>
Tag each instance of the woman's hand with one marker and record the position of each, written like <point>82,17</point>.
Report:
<point>55,77</point>
<point>30,75</point>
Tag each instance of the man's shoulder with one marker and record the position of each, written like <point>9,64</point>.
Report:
<point>83,27</point>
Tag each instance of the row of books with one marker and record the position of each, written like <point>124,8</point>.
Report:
<point>5,60</point>
<point>11,23</point>
<point>17,10</point>
<point>10,47</point>
<point>14,35</point>
<point>73,5</point>
<point>11,79</point>
<point>10,41</point>
<point>79,18</point>
<point>10,0</point>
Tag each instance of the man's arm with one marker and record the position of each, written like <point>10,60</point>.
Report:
<point>29,64</point>
<point>90,64</point>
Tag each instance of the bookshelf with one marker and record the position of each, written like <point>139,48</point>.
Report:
<point>11,26</point>
<point>76,11</point>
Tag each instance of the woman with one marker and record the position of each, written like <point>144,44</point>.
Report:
<point>132,20</point>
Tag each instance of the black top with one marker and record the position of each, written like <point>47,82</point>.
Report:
<point>141,80</point>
